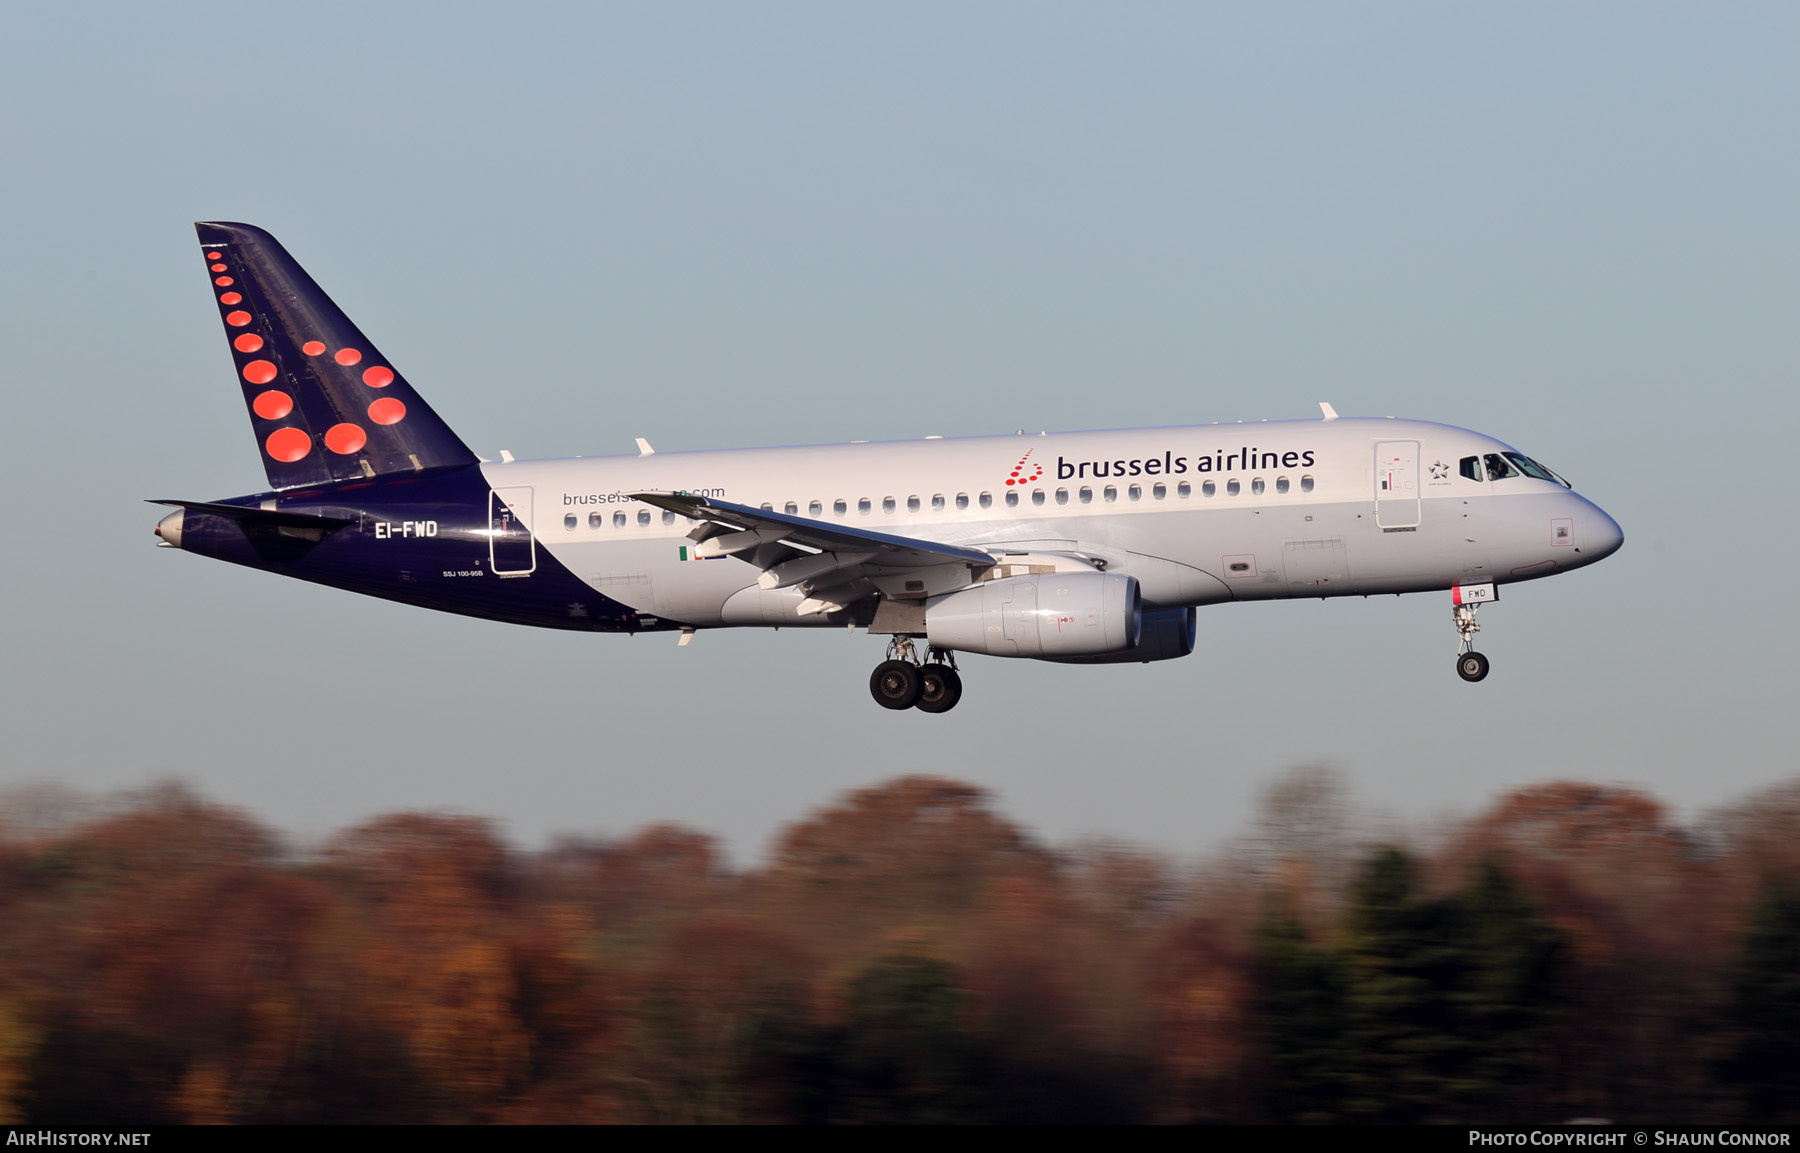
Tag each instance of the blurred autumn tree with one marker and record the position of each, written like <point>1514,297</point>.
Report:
<point>905,954</point>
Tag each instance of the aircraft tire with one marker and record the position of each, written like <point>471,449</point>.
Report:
<point>895,685</point>
<point>1471,666</point>
<point>940,688</point>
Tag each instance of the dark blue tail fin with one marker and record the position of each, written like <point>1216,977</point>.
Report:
<point>325,404</point>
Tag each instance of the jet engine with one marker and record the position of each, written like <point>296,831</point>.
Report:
<point>1048,615</point>
<point>1167,634</point>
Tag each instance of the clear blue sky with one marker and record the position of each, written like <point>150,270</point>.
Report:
<point>1573,227</point>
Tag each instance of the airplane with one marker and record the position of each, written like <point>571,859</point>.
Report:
<point>1074,547</point>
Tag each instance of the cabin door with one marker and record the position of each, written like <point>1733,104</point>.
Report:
<point>1397,484</point>
<point>511,550</point>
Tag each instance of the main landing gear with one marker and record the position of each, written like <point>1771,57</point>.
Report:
<point>903,682</point>
<point>1470,665</point>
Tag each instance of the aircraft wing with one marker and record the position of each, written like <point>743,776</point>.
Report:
<point>799,550</point>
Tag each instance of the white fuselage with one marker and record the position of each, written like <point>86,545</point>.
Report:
<point>1197,514</point>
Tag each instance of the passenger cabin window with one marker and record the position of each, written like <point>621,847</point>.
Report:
<point>669,517</point>
<point>1306,483</point>
<point>839,507</point>
<point>767,507</point>
<point>1110,493</point>
<point>1232,487</point>
<point>1470,467</point>
<point>1208,489</point>
<point>1135,492</point>
<point>987,500</point>
<point>569,522</point>
<point>962,500</point>
<point>1184,490</point>
<point>618,520</point>
<point>1281,484</point>
<point>791,508</point>
<point>864,505</point>
<point>887,504</point>
<point>1087,495</point>
<point>1256,487</point>
<point>937,502</point>
<point>1062,496</point>
<point>1012,499</point>
<point>595,520</point>
<point>912,503</point>
<point>1159,491</point>
<point>1037,496</point>
<point>1497,468</point>
<point>815,509</point>
<point>644,518</point>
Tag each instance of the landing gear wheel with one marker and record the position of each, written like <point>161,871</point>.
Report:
<point>895,685</point>
<point>942,688</point>
<point>1471,666</point>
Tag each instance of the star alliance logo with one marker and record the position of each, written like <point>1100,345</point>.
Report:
<point>1440,471</point>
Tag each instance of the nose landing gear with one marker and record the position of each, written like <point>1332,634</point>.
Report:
<point>1470,665</point>
<point>903,682</point>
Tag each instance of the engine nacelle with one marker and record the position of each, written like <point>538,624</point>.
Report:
<point>1048,615</point>
<point>1167,634</point>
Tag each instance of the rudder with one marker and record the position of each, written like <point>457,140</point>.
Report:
<point>326,406</point>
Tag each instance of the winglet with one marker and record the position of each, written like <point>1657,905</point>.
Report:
<point>1330,412</point>
<point>644,448</point>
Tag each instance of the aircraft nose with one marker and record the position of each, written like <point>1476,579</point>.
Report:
<point>1603,535</point>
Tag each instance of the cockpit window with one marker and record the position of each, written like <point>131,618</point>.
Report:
<point>1535,470</point>
<point>1497,468</point>
<point>1471,467</point>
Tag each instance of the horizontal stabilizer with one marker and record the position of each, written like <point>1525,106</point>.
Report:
<point>263,516</point>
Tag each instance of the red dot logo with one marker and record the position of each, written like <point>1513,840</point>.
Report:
<point>229,298</point>
<point>218,268</point>
<point>312,348</point>
<point>348,356</point>
<point>237,319</point>
<point>386,410</point>
<point>213,255</point>
<point>344,439</point>
<point>378,377</point>
<point>223,281</point>
<point>273,405</point>
<point>259,372</point>
<point>249,342</point>
<point>288,445</point>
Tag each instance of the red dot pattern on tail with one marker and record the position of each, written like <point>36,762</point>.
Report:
<point>378,377</point>
<point>288,445</point>
<point>312,348</point>
<point>344,439</point>
<point>387,410</point>
<point>348,356</point>
<point>249,342</point>
<point>273,405</point>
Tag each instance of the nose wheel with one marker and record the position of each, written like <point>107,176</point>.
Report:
<point>1471,666</point>
<point>904,682</point>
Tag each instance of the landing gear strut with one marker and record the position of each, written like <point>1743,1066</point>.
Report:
<point>904,682</point>
<point>1470,665</point>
